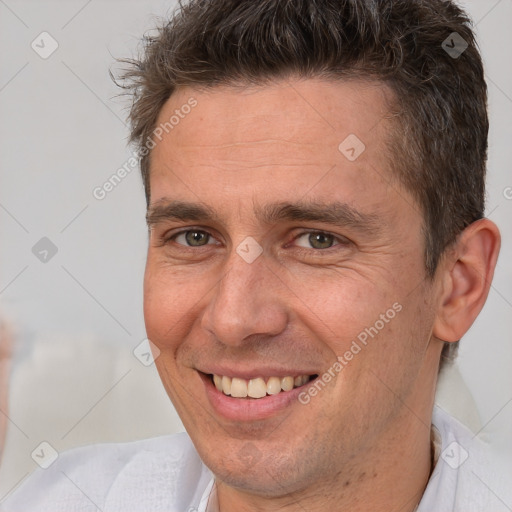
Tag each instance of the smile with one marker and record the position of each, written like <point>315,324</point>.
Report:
<point>258,387</point>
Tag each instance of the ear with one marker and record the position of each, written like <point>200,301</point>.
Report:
<point>466,276</point>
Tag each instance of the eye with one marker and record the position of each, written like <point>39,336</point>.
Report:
<point>319,240</point>
<point>191,238</point>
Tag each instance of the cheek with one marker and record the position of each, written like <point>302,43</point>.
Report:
<point>369,323</point>
<point>342,307</point>
<point>169,302</point>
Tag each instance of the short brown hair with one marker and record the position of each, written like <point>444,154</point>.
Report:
<point>417,47</point>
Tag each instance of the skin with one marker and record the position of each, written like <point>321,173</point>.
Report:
<point>363,442</point>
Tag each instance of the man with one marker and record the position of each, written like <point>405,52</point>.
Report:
<point>314,172</point>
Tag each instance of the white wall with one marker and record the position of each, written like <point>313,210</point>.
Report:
<point>79,315</point>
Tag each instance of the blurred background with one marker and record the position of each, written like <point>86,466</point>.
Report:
<point>72,263</point>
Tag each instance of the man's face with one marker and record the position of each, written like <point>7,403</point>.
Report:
<point>312,252</point>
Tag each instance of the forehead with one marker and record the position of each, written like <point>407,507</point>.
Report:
<point>304,112</point>
<point>284,140</point>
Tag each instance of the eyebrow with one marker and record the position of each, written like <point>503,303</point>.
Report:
<point>184,211</point>
<point>333,213</point>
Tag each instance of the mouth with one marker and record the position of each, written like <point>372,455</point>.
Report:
<point>259,387</point>
<point>247,397</point>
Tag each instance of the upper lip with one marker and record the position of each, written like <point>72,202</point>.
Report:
<point>254,372</point>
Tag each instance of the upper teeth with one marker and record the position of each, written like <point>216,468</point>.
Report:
<point>257,388</point>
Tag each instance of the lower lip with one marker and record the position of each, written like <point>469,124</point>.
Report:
<point>249,409</point>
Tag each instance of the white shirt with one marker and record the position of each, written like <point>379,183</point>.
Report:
<point>165,474</point>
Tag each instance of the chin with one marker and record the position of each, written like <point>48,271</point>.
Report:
<point>263,471</point>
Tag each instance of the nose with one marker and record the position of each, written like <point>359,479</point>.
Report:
<point>247,301</point>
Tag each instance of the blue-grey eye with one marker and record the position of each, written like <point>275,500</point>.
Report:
<point>193,238</point>
<point>317,240</point>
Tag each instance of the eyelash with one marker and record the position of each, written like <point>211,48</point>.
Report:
<point>341,240</point>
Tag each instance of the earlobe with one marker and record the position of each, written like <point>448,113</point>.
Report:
<point>466,279</point>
